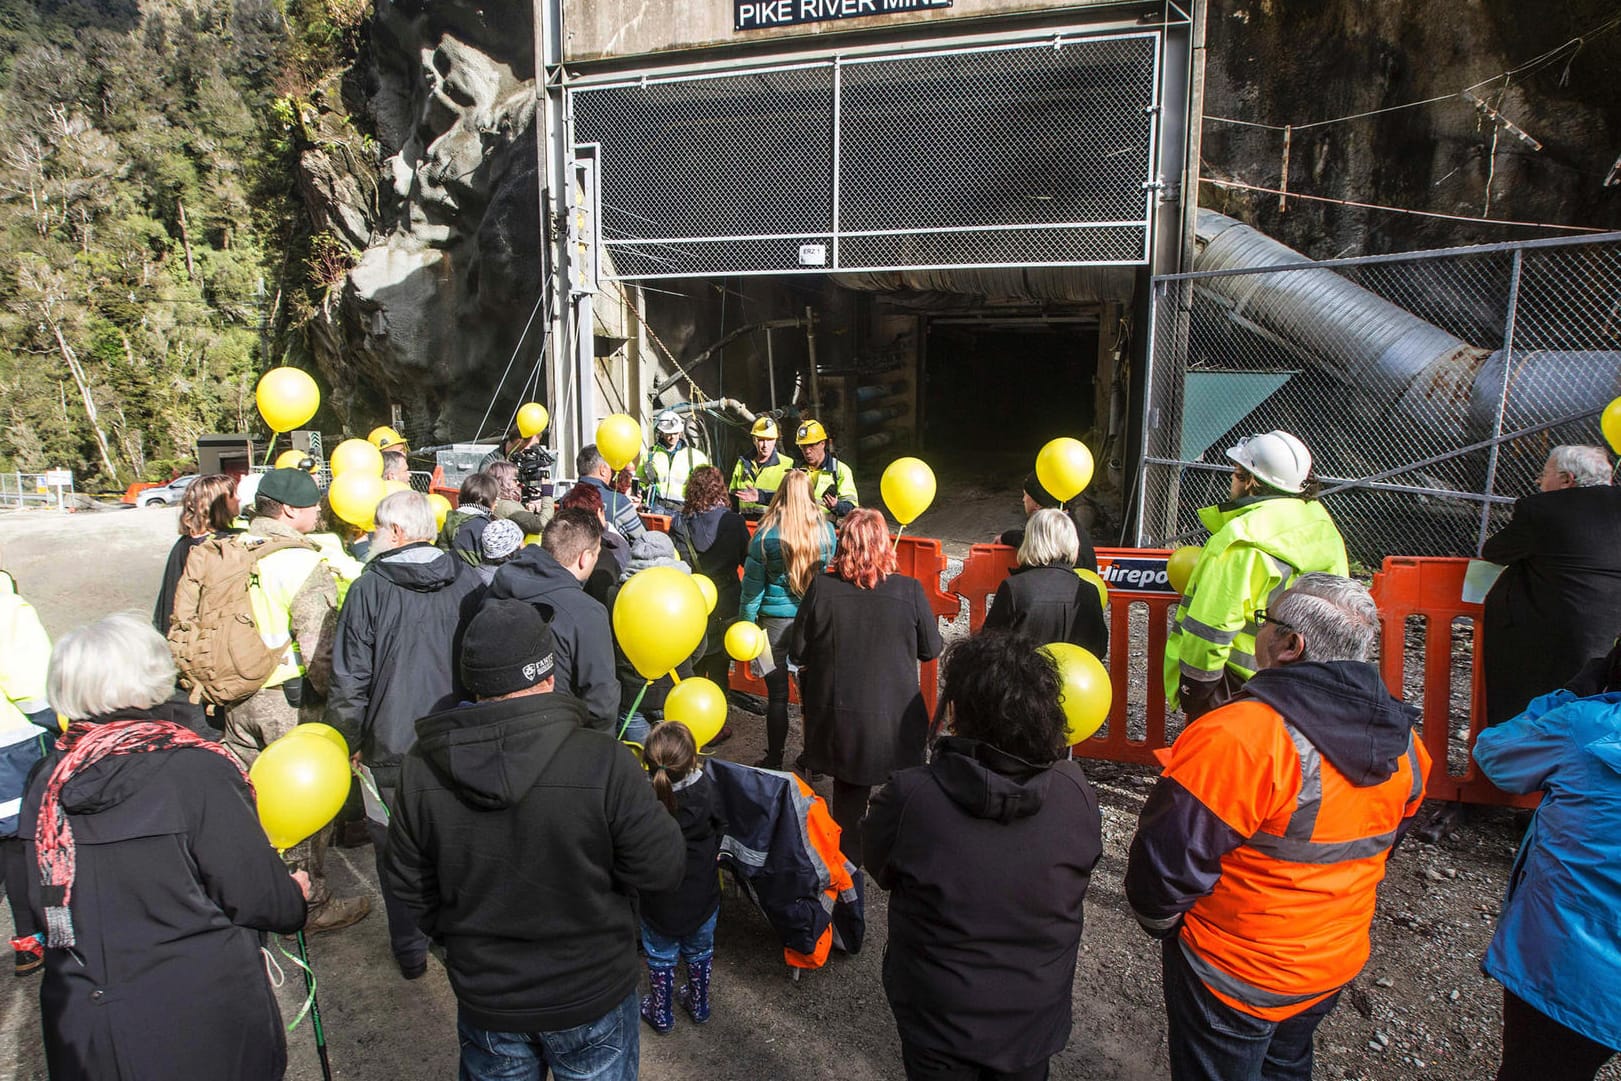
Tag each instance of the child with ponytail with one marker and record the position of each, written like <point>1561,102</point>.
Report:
<point>680,923</point>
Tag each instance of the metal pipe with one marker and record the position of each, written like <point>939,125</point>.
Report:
<point>771,369</point>
<point>810,345</point>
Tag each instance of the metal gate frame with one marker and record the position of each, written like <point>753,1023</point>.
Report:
<point>836,62</point>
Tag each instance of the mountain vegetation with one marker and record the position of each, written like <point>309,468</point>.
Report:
<point>154,253</point>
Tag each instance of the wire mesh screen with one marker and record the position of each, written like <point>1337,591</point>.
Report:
<point>1032,153</point>
<point>1429,388</point>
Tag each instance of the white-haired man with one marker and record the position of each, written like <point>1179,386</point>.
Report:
<point>1259,852</point>
<point>395,660</point>
<point>1558,603</point>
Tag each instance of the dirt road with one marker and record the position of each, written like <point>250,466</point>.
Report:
<point>1421,1009</point>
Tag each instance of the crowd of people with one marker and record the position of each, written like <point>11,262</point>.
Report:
<point>501,739</point>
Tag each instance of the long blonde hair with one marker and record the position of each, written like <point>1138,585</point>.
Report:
<point>801,530</point>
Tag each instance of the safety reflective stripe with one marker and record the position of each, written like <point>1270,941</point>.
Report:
<point>32,705</point>
<point>1285,573</point>
<point>1304,820</point>
<point>731,846</point>
<point>25,733</point>
<point>1412,764</point>
<point>1202,675</point>
<point>1206,631</point>
<point>11,807</point>
<point>1296,845</point>
<point>1226,983</point>
<point>1239,659</point>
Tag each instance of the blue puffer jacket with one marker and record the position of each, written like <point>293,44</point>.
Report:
<point>1558,943</point>
<point>765,576</point>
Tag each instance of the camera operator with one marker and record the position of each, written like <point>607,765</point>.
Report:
<point>513,500</point>
<point>511,445</point>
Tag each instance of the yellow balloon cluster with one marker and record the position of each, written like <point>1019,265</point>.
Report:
<point>659,619</point>
<point>707,588</point>
<point>301,781</point>
<point>532,419</point>
<point>619,440</point>
<point>908,488</point>
<point>354,498</point>
<point>700,705</point>
<point>287,398</point>
<point>441,509</point>
<point>356,456</point>
<point>1064,468</point>
<point>1085,692</point>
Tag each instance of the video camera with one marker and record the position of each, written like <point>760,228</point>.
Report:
<point>534,472</point>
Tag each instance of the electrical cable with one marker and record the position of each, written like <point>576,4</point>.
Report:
<point>1398,209</point>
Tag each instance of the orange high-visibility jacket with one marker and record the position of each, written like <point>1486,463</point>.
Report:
<point>1301,851</point>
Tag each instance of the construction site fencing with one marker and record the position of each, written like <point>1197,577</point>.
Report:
<point>1429,386</point>
<point>53,489</point>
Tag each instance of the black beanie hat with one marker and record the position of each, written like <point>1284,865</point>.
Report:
<point>1039,495</point>
<point>507,648</point>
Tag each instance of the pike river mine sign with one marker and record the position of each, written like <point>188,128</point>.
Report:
<point>759,14</point>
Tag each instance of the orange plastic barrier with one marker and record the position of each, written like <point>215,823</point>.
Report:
<point>1432,589</point>
<point>134,490</point>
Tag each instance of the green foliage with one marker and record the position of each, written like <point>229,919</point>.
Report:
<point>153,250</point>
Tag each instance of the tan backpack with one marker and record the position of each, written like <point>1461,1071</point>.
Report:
<point>216,643</point>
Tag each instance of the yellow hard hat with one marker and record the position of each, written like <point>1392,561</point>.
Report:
<point>764,428</point>
<point>296,459</point>
<point>811,431</point>
<point>385,437</point>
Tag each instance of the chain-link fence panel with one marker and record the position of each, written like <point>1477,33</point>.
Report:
<point>1026,153</point>
<point>1429,387</point>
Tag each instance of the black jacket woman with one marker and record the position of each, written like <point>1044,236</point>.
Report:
<point>980,975</point>
<point>858,638</point>
<point>1043,598</point>
<point>159,879</point>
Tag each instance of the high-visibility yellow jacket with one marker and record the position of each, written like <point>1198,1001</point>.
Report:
<point>1258,546</point>
<point>25,655</point>
<point>834,476</point>
<point>666,470</point>
<point>280,577</point>
<point>766,477</point>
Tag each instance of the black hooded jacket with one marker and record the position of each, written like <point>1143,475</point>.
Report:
<point>399,634</point>
<point>1051,603</point>
<point>681,911</point>
<point>173,882</point>
<point>517,841</point>
<point>987,858</point>
<point>585,642</point>
<point>1342,707</point>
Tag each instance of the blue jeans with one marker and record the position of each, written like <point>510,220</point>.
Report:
<point>698,946</point>
<point>607,1049</point>
<point>637,725</point>
<point>1211,1041</point>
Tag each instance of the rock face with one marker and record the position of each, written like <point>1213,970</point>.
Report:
<point>441,207</point>
<point>447,263</point>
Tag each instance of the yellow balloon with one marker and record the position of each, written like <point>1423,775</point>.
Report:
<point>1179,567</point>
<point>532,419</point>
<point>354,498</point>
<point>659,619</point>
<point>1097,580</point>
<point>1610,421</point>
<point>619,441</point>
<point>528,538</point>
<point>908,488</point>
<point>707,588</point>
<point>392,486</point>
<point>287,398</point>
<point>441,508</point>
<point>700,705</point>
<point>744,641</point>
<point>1085,691</point>
<point>356,456</point>
<point>302,782</point>
<point>1064,468</point>
<point>317,730</point>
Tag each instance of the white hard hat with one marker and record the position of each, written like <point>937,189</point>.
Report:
<point>668,421</point>
<point>1275,458</point>
<point>247,488</point>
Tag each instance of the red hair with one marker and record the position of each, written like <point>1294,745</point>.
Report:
<point>865,556</point>
<point>582,495</point>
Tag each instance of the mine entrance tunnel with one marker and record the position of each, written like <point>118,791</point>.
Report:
<point>989,382</point>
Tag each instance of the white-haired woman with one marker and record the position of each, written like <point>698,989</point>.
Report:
<point>154,879</point>
<point>1043,598</point>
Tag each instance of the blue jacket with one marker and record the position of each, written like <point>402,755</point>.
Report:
<point>765,576</point>
<point>1558,943</point>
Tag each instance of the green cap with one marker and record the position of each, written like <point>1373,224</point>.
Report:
<point>294,487</point>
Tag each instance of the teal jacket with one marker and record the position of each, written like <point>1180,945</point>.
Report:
<point>765,576</point>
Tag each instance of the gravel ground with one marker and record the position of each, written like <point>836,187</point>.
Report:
<point>1421,1009</point>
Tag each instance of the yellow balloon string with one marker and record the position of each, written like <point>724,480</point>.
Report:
<point>631,712</point>
<point>270,449</point>
<point>898,533</point>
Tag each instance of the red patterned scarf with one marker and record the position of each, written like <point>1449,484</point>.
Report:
<point>86,744</point>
